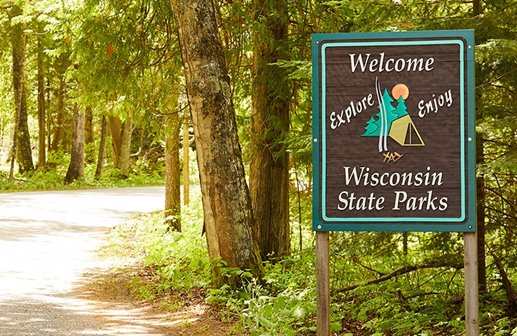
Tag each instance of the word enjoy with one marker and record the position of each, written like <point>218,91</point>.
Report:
<point>435,103</point>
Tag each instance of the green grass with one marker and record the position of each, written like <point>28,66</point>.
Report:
<point>425,302</point>
<point>52,177</point>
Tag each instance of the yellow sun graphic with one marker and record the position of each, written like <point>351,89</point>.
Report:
<point>400,90</point>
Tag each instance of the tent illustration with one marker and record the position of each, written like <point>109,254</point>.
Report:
<point>393,121</point>
<point>404,132</point>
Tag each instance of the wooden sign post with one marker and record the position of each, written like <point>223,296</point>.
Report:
<point>393,140</point>
<point>322,284</point>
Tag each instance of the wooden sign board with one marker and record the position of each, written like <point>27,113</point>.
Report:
<point>393,131</point>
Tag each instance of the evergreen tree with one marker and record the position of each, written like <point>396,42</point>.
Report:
<point>401,108</point>
<point>373,126</point>
<point>391,115</point>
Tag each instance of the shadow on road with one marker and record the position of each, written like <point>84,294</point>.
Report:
<point>180,313</point>
<point>67,317</point>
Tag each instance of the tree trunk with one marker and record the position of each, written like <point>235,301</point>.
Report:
<point>269,170</point>
<point>23,147</point>
<point>172,161</point>
<point>115,125</point>
<point>89,136</point>
<point>41,105</point>
<point>124,160</point>
<point>88,126</point>
<point>476,7</point>
<point>48,114</point>
<point>186,160</point>
<point>121,143</point>
<point>481,231</point>
<point>59,129</point>
<point>226,203</point>
<point>102,148</point>
<point>480,181</point>
<point>76,167</point>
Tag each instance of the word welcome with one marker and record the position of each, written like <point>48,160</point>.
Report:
<point>354,108</point>
<point>383,64</point>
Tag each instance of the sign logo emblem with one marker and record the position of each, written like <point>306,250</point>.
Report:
<point>393,121</point>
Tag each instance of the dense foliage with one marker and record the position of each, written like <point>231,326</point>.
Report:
<point>421,294</point>
<point>120,61</point>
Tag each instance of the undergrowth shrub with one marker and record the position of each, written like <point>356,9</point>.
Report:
<point>179,258</point>
<point>422,302</point>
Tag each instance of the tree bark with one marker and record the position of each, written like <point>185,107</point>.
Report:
<point>76,167</point>
<point>121,143</point>
<point>42,157</point>
<point>102,148</point>
<point>186,160</point>
<point>476,7</point>
<point>227,209</point>
<point>23,147</point>
<point>172,162</point>
<point>124,161</point>
<point>480,188</point>
<point>115,126</point>
<point>269,170</point>
<point>59,129</point>
<point>48,114</point>
<point>88,126</point>
<point>481,230</point>
<point>89,136</point>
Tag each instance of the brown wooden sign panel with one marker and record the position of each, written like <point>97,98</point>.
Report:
<point>392,136</point>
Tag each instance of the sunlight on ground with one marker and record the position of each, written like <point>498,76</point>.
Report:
<point>47,242</point>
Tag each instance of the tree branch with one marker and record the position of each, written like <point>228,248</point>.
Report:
<point>511,294</point>
<point>400,271</point>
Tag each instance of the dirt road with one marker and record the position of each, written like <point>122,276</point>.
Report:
<point>48,241</point>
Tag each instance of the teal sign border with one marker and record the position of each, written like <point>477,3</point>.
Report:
<point>467,221</point>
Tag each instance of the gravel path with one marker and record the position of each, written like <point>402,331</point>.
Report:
<point>48,242</point>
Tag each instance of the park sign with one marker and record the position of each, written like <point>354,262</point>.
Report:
<point>393,131</point>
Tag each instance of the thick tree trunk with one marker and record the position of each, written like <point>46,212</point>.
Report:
<point>269,170</point>
<point>226,203</point>
<point>102,148</point>
<point>23,147</point>
<point>42,157</point>
<point>172,162</point>
<point>76,167</point>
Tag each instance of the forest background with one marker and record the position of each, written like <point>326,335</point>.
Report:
<point>93,93</point>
